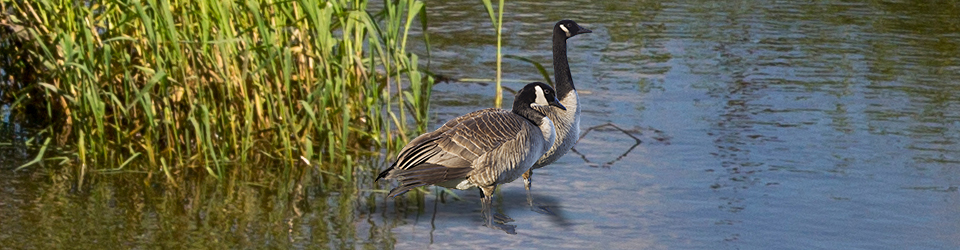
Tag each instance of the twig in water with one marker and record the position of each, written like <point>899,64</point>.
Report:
<point>609,163</point>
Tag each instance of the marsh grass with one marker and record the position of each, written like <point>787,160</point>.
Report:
<point>221,87</point>
<point>496,19</point>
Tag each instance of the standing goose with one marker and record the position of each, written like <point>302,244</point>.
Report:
<point>567,121</point>
<point>482,149</point>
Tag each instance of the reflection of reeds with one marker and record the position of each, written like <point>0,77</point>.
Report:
<point>202,214</point>
<point>172,85</point>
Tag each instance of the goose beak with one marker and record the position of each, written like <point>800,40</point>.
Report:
<point>556,103</point>
<point>583,30</point>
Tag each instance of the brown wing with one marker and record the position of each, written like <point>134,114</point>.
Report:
<point>447,126</point>
<point>449,152</point>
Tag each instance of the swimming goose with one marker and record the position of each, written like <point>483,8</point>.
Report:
<point>482,149</point>
<point>567,121</point>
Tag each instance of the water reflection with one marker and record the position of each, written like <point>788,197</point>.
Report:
<point>763,125</point>
<point>202,214</point>
<point>806,94</point>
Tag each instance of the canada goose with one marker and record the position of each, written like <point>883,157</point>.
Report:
<point>567,121</point>
<point>482,149</point>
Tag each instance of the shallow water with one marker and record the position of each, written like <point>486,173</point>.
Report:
<point>764,125</point>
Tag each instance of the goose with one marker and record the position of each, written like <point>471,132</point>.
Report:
<point>481,149</point>
<point>567,121</point>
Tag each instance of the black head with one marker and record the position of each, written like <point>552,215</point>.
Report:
<point>536,93</point>
<point>569,28</point>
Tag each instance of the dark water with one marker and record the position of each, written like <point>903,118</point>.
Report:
<point>764,125</point>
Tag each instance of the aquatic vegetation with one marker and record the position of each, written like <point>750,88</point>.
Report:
<point>497,21</point>
<point>168,87</point>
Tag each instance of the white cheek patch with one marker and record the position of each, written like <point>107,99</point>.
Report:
<point>564,28</point>
<point>541,99</point>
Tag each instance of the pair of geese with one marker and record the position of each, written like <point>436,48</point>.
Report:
<point>489,147</point>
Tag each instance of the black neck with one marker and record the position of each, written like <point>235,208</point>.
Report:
<point>534,116</point>
<point>561,69</point>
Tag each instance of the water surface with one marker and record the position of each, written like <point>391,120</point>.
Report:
<point>764,125</point>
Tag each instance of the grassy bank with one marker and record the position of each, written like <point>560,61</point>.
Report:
<point>170,87</point>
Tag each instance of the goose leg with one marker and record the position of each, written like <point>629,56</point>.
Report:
<point>497,217</point>
<point>527,179</point>
<point>489,216</point>
<point>534,206</point>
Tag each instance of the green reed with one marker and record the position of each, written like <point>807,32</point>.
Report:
<point>496,19</point>
<point>165,86</point>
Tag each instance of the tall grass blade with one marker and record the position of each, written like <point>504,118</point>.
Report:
<point>497,21</point>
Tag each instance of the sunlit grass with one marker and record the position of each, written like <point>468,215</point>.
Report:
<point>496,19</point>
<point>166,87</point>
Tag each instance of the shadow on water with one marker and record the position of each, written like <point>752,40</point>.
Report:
<point>449,211</point>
